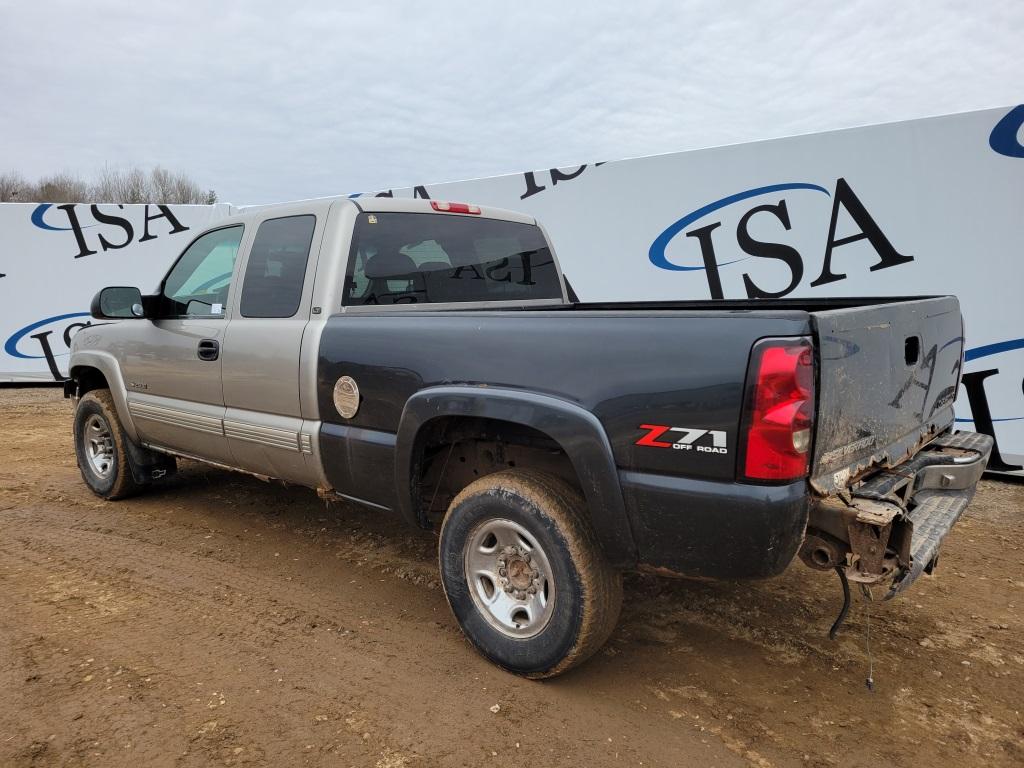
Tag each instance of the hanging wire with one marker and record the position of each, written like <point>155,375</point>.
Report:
<point>846,603</point>
<point>868,598</point>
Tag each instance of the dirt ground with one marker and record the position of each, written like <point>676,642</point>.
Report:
<point>218,620</point>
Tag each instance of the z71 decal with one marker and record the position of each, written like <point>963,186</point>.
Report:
<point>710,440</point>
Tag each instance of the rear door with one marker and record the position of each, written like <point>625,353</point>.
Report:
<point>261,367</point>
<point>172,364</point>
<point>888,375</point>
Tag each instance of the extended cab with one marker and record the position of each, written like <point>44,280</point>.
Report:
<point>429,359</point>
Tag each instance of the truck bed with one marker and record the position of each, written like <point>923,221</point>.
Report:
<point>888,369</point>
<point>682,363</point>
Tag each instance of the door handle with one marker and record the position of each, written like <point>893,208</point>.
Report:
<point>209,349</point>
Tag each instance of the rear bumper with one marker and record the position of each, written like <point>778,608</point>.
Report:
<point>708,529</point>
<point>889,532</point>
<point>891,529</point>
<point>934,516</point>
<point>943,489</point>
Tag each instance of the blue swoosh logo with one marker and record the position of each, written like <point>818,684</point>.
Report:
<point>993,349</point>
<point>37,219</point>
<point>11,346</point>
<point>657,252</point>
<point>1003,138</point>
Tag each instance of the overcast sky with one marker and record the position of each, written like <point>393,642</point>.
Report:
<point>265,102</point>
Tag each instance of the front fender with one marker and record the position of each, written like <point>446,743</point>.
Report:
<point>576,430</point>
<point>106,364</point>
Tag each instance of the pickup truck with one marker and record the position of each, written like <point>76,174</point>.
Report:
<point>430,359</point>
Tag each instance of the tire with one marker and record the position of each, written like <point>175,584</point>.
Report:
<point>490,529</point>
<point>100,446</point>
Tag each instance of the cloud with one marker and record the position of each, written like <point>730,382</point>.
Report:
<point>267,102</point>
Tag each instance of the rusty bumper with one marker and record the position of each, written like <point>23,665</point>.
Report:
<point>891,526</point>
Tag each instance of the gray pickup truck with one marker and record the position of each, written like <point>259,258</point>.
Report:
<point>430,359</point>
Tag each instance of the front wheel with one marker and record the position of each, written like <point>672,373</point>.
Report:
<point>524,574</point>
<point>100,446</point>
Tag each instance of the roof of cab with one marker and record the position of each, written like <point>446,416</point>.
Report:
<point>372,204</point>
<point>415,205</point>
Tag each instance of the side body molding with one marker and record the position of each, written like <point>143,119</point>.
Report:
<point>575,429</point>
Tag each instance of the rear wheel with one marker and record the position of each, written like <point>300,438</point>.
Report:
<point>100,446</point>
<point>524,574</point>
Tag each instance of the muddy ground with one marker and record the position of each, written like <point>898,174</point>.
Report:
<point>218,620</point>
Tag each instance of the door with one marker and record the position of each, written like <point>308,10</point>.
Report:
<point>262,419</point>
<point>172,365</point>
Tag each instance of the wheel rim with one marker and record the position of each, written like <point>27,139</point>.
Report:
<point>509,578</point>
<point>99,445</point>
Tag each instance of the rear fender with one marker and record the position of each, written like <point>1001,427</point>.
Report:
<point>577,431</point>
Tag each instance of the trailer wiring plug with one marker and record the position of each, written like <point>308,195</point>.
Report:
<point>869,681</point>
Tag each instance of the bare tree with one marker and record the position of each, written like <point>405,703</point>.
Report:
<point>132,185</point>
<point>161,183</point>
<point>135,187</point>
<point>186,189</point>
<point>61,188</point>
<point>12,187</point>
<point>114,186</point>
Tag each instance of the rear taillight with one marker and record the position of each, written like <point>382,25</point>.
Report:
<point>779,410</point>
<point>443,207</point>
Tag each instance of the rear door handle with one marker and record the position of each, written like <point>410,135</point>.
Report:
<point>209,349</point>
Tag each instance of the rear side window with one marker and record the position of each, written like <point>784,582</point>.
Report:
<point>276,268</point>
<point>423,258</point>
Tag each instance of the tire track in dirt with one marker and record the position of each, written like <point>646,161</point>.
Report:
<point>143,609</point>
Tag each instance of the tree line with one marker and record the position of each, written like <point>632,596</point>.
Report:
<point>132,185</point>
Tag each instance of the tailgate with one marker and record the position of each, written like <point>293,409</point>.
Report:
<point>888,375</point>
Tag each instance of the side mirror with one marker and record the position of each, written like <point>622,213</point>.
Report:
<point>118,303</point>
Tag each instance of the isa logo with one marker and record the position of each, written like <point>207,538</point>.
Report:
<point>1006,138</point>
<point>758,229</point>
<point>999,371</point>
<point>96,230</point>
<point>47,339</point>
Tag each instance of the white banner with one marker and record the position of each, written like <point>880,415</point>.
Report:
<point>55,258</point>
<point>931,206</point>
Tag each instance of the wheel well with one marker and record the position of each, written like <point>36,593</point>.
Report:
<point>88,379</point>
<point>451,452</point>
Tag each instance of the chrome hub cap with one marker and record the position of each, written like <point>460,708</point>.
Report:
<point>99,445</point>
<point>509,578</point>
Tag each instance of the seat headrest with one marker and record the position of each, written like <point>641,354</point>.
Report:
<point>434,266</point>
<point>389,264</point>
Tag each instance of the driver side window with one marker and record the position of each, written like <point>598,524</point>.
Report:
<point>197,285</point>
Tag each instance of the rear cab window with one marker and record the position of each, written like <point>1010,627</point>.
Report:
<point>424,258</point>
